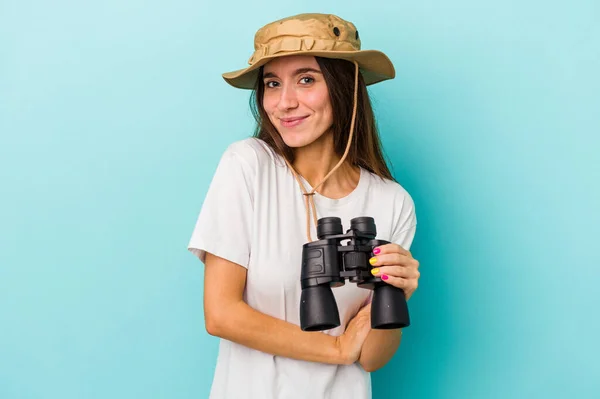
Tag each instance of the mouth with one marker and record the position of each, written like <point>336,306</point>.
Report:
<point>291,122</point>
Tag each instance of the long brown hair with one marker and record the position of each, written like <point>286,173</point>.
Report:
<point>365,150</point>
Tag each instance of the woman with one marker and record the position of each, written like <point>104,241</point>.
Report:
<point>316,154</point>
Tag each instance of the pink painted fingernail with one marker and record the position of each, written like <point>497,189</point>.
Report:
<point>384,277</point>
<point>376,251</point>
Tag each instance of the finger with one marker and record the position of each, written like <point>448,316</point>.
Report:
<point>396,271</point>
<point>392,259</point>
<point>360,317</point>
<point>365,309</point>
<point>390,248</point>
<point>408,285</point>
<point>362,311</point>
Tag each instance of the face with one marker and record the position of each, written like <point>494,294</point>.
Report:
<point>296,99</point>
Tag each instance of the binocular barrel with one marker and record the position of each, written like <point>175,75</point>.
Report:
<point>327,264</point>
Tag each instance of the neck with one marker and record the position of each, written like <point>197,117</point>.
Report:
<point>315,161</point>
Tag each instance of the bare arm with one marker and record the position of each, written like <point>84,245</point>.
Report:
<point>379,347</point>
<point>229,317</point>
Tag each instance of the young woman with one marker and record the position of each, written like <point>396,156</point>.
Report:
<point>316,153</point>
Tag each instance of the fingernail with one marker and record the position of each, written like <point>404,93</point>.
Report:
<point>376,251</point>
<point>375,271</point>
<point>384,277</point>
<point>373,261</point>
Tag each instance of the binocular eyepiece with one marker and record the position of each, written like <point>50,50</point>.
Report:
<point>326,264</point>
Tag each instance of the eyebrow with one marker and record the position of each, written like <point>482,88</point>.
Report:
<point>297,72</point>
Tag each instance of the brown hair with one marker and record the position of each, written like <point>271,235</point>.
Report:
<point>365,150</point>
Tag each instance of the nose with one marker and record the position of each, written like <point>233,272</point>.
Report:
<point>288,99</point>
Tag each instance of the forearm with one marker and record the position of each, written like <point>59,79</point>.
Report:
<point>379,347</point>
<point>244,325</point>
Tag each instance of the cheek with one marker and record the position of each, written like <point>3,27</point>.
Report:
<point>269,103</point>
<point>319,102</point>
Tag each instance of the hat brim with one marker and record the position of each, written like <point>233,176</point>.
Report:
<point>375,66</point>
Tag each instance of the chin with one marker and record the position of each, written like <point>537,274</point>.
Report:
<point>296,143</point>
<point>296,139</point>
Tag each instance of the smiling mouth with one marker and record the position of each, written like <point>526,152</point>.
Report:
<point>291,122</point>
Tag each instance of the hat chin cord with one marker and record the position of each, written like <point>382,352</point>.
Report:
<point>309,201</point>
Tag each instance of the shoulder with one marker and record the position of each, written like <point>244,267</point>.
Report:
<point>252,153</point>
<point>396,199</point>
<point>392,190</point>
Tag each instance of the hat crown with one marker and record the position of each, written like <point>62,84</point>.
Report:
<point>309,27</point>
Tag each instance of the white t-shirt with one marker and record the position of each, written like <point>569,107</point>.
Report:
<point>254,215</point>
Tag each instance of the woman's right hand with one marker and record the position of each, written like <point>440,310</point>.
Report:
<point>350,343</point>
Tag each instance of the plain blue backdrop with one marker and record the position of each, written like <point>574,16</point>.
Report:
<point>113,116</point>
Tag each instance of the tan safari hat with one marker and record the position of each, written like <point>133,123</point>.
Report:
<point>323,35</point>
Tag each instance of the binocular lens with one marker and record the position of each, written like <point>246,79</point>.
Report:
<point>389,309</point>
<point>318,309</point>
<point>329,226</point>
<point>365,225</point>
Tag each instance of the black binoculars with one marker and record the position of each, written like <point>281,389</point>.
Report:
<point>326,264</point>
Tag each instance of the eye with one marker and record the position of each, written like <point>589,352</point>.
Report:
<point>270,84</point>
<point>307,80</point>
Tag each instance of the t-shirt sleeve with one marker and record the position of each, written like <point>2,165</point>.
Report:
<point>224,224</point>
<point>405,226</point>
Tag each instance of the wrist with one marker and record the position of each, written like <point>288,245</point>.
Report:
<point>339,354</point>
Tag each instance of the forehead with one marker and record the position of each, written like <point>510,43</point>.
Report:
<point>291,63</point>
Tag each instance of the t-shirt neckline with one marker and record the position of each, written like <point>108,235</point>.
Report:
<point>323,201</point>
<point>320,200</point>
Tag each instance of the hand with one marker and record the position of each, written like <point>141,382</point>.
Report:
<point>396,266</point>
<point>350,343</point>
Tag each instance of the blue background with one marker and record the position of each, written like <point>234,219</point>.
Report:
<point>113,116</point>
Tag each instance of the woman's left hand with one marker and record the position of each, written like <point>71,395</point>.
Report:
<point>396,266</point>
